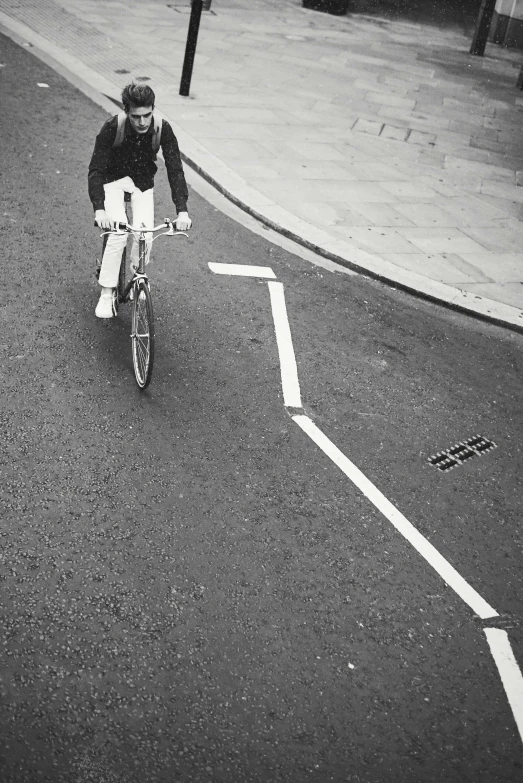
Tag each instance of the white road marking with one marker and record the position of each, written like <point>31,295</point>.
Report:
<point>244,270</point>
<point>413,536</point>
<point>288,368</point>
<point>509,672</point>
<point>498,640</point>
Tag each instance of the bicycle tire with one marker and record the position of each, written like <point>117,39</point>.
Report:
<point>118,294</point>
<point>99,260</point>
<point>142,334</point>
<point>122,276</point>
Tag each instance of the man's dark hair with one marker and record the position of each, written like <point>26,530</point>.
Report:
<point>137,95</point>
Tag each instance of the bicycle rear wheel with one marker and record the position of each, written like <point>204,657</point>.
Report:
<point>118,293</point>
<point>142,335</point>
<point>121,279</point>
<point>99,260</point>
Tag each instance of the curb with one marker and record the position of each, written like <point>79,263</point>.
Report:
<point>429,290</point>
<point>99,90</point>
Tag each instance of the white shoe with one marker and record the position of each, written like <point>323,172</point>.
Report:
<point>104,308</point>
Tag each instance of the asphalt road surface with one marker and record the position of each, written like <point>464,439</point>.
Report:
<point>191,589</point>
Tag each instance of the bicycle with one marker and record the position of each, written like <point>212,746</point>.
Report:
<point>138,291</point>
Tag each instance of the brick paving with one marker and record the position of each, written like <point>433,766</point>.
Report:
<point>381,143</point>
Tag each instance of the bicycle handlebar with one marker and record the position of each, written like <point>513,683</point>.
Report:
<point>126,227</point>
<point>140,229</point>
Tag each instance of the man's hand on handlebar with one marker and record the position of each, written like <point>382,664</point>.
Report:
<point>102,219</point>
<point>183,221</point>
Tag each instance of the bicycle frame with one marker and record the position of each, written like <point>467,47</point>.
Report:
<point>140,232</point>
<point>138,291</point>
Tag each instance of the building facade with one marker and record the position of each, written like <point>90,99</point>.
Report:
<point>507,23</point>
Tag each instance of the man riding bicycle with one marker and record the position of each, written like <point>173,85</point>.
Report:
<point>123,161</point>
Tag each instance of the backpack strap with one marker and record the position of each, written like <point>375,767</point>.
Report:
<point>120,129</point>
<point>120,132</point>
<point>157,135</point>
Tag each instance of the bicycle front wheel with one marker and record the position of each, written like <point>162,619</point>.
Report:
<point>142,335</point>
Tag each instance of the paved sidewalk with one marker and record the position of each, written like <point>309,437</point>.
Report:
<point>381,144</point>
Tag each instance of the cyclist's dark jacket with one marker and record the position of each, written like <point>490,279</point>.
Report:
<point>135,158</point>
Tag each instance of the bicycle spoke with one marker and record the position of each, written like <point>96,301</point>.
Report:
<point>143,350</point>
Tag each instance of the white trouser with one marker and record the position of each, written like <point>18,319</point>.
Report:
<point>142,205</point>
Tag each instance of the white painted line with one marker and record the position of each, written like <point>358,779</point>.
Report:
<point>245,270</point>
<point>419,542</point>
<point>288,368</point>
<point>509,672</point>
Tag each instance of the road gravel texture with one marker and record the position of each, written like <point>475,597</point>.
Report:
<point>190,591</point>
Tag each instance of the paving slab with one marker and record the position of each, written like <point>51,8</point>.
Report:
<point>441,240</point>
<point>447,268</point>
<point>379,143</point>
<point>507,293</point>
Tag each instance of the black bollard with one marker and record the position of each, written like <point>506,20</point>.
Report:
<point>479,41</point>
<point>190,47</point>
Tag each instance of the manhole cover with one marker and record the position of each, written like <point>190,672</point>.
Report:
<point>461,453</point>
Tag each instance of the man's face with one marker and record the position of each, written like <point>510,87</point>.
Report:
<point>140,118</point>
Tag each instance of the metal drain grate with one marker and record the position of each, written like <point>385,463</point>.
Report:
<point>461,452</point>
